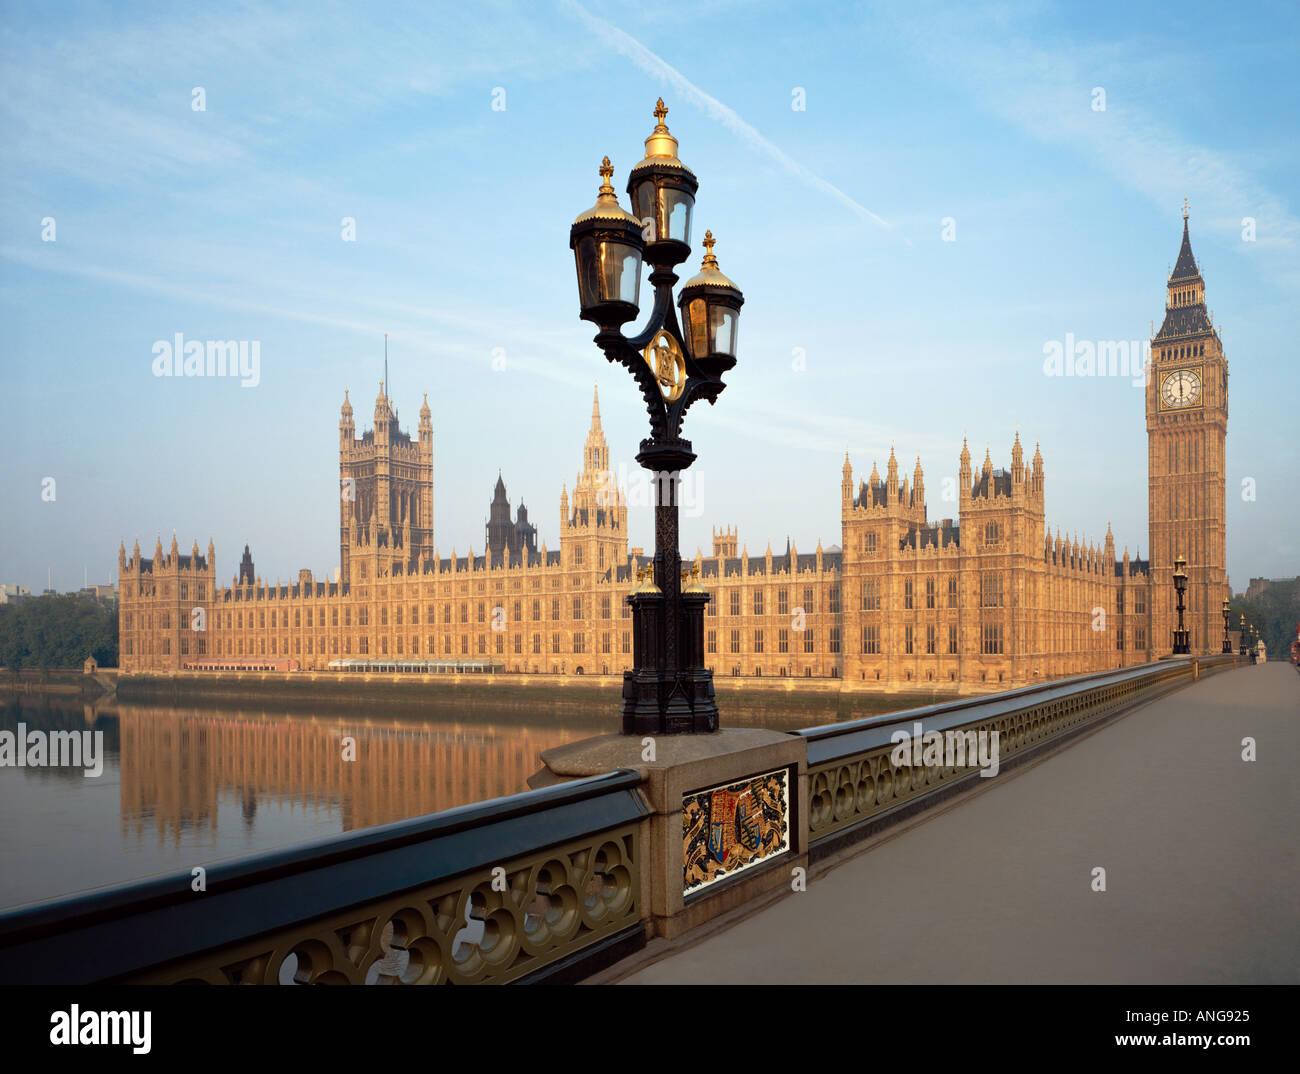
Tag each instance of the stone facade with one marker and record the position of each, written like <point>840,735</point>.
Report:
<point>990,599</point>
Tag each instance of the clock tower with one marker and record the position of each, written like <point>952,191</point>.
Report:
<point>1187,425</point>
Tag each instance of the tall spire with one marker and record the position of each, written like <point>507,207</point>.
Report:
<point>595,407</point>
<point>1185,267</point>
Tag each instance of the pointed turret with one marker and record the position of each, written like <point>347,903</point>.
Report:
<point>892,470</point>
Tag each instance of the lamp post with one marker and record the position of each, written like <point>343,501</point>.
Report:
<point>1241,635</point>
<point>668,690</point>
<point>1227,643</point>
<point>1254,644</point>
<point>1181,646</point>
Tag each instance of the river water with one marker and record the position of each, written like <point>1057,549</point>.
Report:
<point>181,787</point>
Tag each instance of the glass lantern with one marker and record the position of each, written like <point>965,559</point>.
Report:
<point>710,308</point>
<point>662,190</point>
<point>607,246</point>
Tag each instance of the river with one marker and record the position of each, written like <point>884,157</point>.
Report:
<point>181,787</point>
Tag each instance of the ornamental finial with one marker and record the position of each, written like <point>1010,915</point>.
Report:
<point>709,241</point>
<point>606,173</point>
<point>1184,206</point>
<point>661,111</point>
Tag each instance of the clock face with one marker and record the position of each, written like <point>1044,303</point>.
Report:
<point>1181,388</point>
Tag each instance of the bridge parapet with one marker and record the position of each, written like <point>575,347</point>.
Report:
<point>857,784</point>
<point>555,883</point>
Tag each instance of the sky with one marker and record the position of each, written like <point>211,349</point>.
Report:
<point>947,202</point>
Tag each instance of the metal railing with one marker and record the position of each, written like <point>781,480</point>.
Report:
<point>540,885</point>
<point>855,786</point>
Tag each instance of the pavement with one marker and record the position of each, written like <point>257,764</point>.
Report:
<point>1201,852</point>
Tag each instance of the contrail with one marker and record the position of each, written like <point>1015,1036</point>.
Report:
<point>650,63</point>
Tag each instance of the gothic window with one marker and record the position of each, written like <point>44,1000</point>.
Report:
<point>627,641</point>
<point>907,639</point>
<point>833,600</point>
<point>712,641</point>
<point>555,608</point>
<point>783,640</point>
<point>735,605</point>
<point>808,600</point>
<point>952,639</point>
<point>835,639</point>
<point>735,641</point>
<point>758,641</point>
<point>929,640</point>
<point>758,602</point>
<point>869,543</point>
<point>929,593</point>
<point>577,608</point>
<point>991,590</point>
<point>991,533</point>
<point>577,556</point>
<point>907,596</point>
<point>871,640</point>
<point>604,609</point>
<point>783,601</point>
<point>991,639</point>
<point>809,640</point>
<point>952,592</point>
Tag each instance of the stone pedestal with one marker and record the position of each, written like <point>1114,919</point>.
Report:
<point>684,765</point>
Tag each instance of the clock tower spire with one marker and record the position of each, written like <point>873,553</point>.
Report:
<point>1187,425</point>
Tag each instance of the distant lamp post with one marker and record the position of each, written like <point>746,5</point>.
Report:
<point>1227,642</point>
<point>1241,635</point>
<point>1254,644</point>
<point>1181,646</point>
<point>669,690</point>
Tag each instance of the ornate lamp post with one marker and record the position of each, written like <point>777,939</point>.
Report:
<point>1227,643</point>
<point>668,690</point>
<point>1241,635</point>
<point>1254,644</point>
<point>1180,585</point>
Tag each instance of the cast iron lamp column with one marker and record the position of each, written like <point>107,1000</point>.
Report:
<point>669,689</point>
<point>1241,635</point>
<point>1227,643</point>
<point>1180,586</point>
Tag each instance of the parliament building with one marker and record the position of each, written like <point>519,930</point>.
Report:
<point>991,597</point>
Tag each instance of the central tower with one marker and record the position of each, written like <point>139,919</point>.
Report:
<point>1187,426</point>
<point>385,490</point>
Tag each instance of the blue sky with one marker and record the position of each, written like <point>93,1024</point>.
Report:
<point>226,224</point>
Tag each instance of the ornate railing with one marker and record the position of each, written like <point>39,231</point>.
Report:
<point>541,885</point>
<point>546,885</point>
<point>855,787</point>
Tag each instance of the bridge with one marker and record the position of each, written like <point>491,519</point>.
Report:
<point>1128,826</point>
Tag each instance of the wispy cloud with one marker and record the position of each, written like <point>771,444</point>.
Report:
<point>1047,92</point>
<point>660,68</point>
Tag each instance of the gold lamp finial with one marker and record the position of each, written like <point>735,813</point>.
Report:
<point>606,173</point>
<point>660,112</point>
<point>709,242</point>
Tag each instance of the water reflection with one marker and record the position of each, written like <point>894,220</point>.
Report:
<point>187,786</point>
<point>184,787</point>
